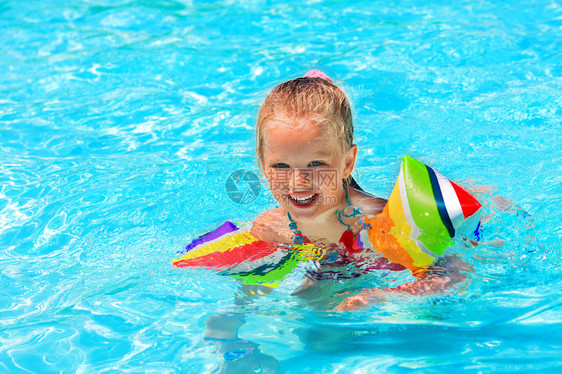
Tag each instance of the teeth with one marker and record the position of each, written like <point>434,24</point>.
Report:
<point>303,198</point>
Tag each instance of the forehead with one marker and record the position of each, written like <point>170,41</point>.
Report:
<point>284,134</point>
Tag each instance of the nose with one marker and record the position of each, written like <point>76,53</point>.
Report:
<point>302,179</point>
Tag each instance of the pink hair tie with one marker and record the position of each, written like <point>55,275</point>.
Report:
<point>317,74</point>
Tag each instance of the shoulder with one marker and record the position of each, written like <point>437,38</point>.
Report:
<point>269,216</point>
<point>369,204</point>
<point>272,226</point>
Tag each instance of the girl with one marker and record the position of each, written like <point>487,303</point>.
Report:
<point>306,152</point>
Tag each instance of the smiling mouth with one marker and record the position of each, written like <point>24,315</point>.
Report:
<point>303,201</point>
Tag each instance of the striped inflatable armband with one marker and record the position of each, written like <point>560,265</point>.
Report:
<point>223,247</point>
<point>238,253</point>
<point>421,217</point>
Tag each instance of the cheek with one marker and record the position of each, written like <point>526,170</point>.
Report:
<point>278,179</point>
<point>328,180</point>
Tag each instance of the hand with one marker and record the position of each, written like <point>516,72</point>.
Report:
<point>361,300</point>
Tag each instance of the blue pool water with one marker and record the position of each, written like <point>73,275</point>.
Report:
<point>120,122</point>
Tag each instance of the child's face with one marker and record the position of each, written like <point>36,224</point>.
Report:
<point>305,167</point>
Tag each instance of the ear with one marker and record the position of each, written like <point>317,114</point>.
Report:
<point>350,157</point>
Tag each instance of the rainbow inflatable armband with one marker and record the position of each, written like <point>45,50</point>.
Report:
<point>236,252</point>
<point>424,211</point>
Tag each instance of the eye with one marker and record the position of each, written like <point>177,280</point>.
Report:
<point>316,163</point>
<point>279,165</point>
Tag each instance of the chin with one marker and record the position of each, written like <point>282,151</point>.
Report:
<point>303,212</point>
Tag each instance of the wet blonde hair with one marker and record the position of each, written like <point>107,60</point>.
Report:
<point>316,99</point>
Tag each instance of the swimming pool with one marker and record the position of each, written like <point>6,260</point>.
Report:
<point>120,122</point>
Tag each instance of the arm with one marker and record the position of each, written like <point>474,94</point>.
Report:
<point>444,274</point>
